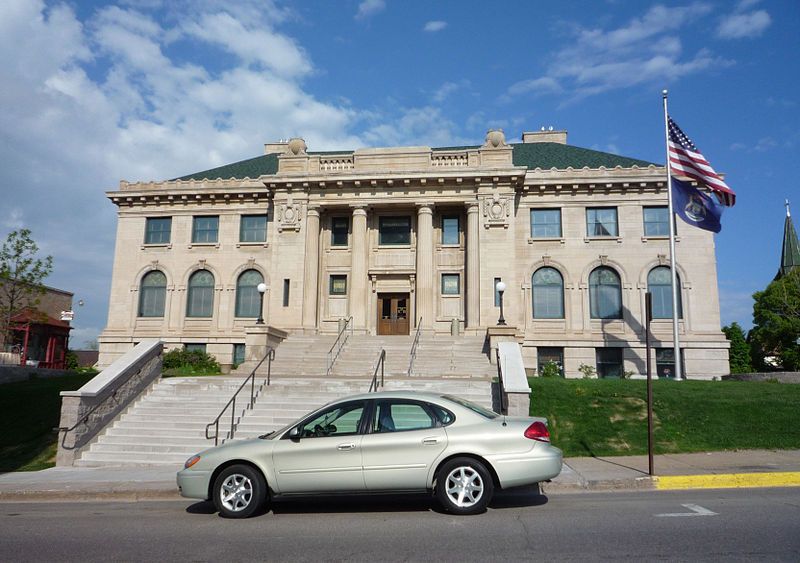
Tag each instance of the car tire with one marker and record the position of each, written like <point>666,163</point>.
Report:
<point>464,486</point>
<point>240,491</point>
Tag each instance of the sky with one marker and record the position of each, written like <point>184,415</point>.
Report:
<point>95,92</point>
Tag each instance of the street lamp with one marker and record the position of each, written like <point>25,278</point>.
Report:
<point>501,287</point>
<point>262,289</point>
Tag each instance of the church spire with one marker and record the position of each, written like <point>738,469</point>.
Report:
<point>790,257</point>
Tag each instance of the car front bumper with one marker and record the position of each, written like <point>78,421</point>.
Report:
<point>193,483</point>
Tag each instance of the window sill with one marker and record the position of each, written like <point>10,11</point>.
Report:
<point>339,247</point>
<point>394,246</point>
<point>602,239</point>
<point>265,244</point>
<point>204,244</point>
<point>167,245</point>
<point>450,295</point>
<point>449,246</point>
<point>532,240</point>
<point>659,237</point>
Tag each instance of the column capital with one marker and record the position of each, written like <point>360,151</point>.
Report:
<point>359,209</point>
<point>472,206</point>
<point>425,207</point>
<point>313,210</point>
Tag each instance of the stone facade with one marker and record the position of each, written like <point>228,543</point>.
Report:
<point>427,234</point>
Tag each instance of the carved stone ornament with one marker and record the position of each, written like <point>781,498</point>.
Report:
<point>154,265</point>
<point>495,138</point>
<point>288,216</point>
<point>662,259</point>
<point>546,260</point>
<point>296,146</point>
<point>604,260</point>
<point>496,211</point>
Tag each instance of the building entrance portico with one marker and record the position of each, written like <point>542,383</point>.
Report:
<point>393,313</point>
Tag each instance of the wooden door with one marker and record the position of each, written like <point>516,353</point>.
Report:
<point>393,313</point>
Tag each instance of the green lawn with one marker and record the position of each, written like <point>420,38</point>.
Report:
<point>590,417</point>
<point>29,410</point>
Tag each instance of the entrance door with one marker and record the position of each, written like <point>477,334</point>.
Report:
<point>393,313</point>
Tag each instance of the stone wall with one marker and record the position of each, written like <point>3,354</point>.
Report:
<point>781,376</point>
<point>87,411</point>
<point>10,374</point>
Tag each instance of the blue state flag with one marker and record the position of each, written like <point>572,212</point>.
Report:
<point>695,207</point>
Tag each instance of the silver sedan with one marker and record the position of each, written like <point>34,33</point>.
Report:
<point>378,442</point>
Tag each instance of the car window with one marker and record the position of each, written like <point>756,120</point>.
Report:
<point>471,406</point>
<point>396,416</point>
<point>336,421</point>
<point>444,415</point>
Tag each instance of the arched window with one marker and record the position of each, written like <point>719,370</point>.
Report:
<point>605,294</point>
<point>152,294</point>
<point>548,294</point>
<point>659,284</point>
<point>248,301</point>
<point>200,298</point>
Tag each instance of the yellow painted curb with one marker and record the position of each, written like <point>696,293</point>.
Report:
<point>727,481</point>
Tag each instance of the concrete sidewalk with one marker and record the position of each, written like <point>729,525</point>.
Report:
<point>746,468</point>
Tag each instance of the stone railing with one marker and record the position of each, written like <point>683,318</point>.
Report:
<point>85,412</point>
<point>450,159</point>
<point>336,163</point>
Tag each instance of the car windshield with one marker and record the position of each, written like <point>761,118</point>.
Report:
<point>471,406</point>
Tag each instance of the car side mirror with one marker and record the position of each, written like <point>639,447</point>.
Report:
<point>294,433</point>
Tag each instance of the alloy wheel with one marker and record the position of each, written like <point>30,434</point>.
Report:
<point>464,486</point>
<point>236,492</point>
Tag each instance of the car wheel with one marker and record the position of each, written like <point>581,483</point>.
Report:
<point>239,491</point>
<point>464,486</point>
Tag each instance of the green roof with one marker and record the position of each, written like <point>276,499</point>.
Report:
<point>530,155</point>
<point>790,255</point>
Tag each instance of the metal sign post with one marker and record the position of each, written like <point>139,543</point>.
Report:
<point>648,307</point>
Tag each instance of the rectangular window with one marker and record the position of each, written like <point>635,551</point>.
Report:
<point>338,284</point>
<point>195,347</point>
<point>609,362</point>
<point>450,230</point>
<point>601,222</point>
<point>394,230</point>
<point>665,363</point>
<point>205,229</point>
<point>496,293</point>
<point>253,228</point>
<point>545,223</point>
<point>549,360</point>
<point>238,354</point>
<point>451,284</point>
<point>286,293</point>
<point>656,221</point>
<point>157,230</point>
<point>339,230</point>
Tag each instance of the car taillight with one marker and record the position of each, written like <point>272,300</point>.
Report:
<point>538,431</point>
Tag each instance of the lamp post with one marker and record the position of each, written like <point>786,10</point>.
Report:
<point>501,287</point>
<point>262,289</point>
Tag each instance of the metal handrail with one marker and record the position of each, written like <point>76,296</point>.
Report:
<point>232,402</point>
<point>380,365</point>
<point>501,388</point>
<point>413,354</point>
<point>340,343</point>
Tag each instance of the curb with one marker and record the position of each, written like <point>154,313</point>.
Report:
<point>727,481</point>
<point>77,495</point>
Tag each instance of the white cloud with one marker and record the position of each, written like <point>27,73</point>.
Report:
<point>644,51</point>
<point>425,126</point>
<point>368,8</point>
<point>449,88</point>
<point>434,26</point>
<point>744,25</point>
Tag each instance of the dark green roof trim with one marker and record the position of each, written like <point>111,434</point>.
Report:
<point>530,155</point>
<point>556,155</point>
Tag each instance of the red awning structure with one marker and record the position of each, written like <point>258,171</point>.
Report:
<point>43,340</point>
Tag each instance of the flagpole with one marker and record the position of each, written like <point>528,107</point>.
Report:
<point>673,263</point>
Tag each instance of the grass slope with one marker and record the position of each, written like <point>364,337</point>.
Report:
<point>29,411</point>
<point>590,417</point>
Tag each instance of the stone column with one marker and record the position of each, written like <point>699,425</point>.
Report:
<point>358,269</point>
<point>472,288</point>
<point>425,282</point>
<point>311,270</point>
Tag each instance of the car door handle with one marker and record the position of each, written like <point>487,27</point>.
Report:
<point>430,441</point>
<point>345,447</point>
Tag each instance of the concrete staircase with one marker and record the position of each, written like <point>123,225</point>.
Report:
<point>166,425</point>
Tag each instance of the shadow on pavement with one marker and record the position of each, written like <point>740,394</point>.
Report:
<point>422,502</point>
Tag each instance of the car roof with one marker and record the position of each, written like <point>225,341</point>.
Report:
<point>396,394</point>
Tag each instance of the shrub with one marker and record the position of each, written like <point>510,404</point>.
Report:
<point>588,371</point>
<point>551,369</point>
<point>195,359</point>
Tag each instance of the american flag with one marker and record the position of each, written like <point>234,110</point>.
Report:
<point>686,160</point>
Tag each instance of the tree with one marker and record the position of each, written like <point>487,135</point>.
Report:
<point>776,321</point>
<point>21,276</point>
<point>740,351</point>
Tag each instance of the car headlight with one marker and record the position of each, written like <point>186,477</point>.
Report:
<point>191,461</point>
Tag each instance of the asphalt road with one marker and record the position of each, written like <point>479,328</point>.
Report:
<point>738,524</point>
